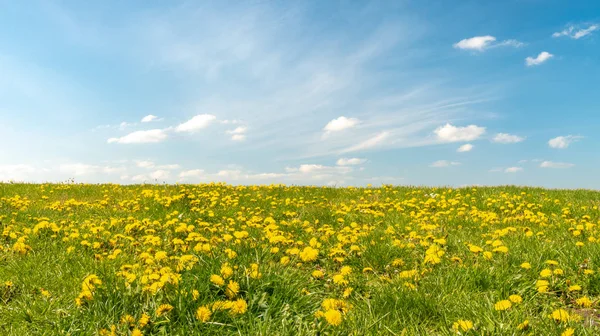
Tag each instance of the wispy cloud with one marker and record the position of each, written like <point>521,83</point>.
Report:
<point>575,33</point>
<point>444,163</point>
<point>550,164</point>
<point>481,43</point>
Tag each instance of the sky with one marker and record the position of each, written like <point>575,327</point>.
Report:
<point>339,93</point>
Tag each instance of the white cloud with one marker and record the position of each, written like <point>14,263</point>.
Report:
<point>449,133</point>
<point>541,58</point>
<point>144,164</point>
<point>149,118</point>
<point>465,148</point>
<point>550,164</point>
<point>443,163</point>
<point>16,172</point>
<point>79,169</point>
<point>137,137</point>
<point>369,143</point>
<point>576,34</point>
<point>160,174</point>
<point>169,166</point>
<point>318,169</point>
<point>139,178</point>
<point>350,162</point>
<point>513,169</point>
<point>340,124</point>
<point>505,138</point>
<point>475,43</point>
<point>238,134</point>
<point>481,43</point>
<point>192,173</point>
<point>562,142</point>
<point>196,123</point>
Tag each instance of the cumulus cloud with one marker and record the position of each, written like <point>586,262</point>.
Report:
<point>505,138</point>
<point>443,163</point>
<point>196,123</point>
<point>317,169</point>
<point>149,118</point>
<point>576,34</point>
<point>550,164</point>
<point>541,58</point>
<point>481,43</point>
<point>475,43</point>
<point>16,172</point>
<point>79,169</point>
<point>237,134</point>
<point>144,164</point>
<point>138,137</point>
<point>465,148</point>
<point>350,162</point>
<point>450,133</point>
<point>340,124</point>
<point>513,169</point>
<point>562,142</point>
<point>192,173</point>
<point>160,174</point>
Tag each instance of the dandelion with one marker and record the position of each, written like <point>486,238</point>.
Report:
<point>333,317</point>
<point>526,265</point>
<point>502,305</point>
<point>584,302</point>
<point>574,288</point>
<point>560,315</point>
<point>568,332</point>
<point>238,307</point>
<point>203,314</point>
<point>546,273</point>
<point>217,280</point>
<point>462,325</point>
<point>232,289</point>
<point>309,254</point>
<point>515,298</point>
<point>318,274</point>
<point>163,309</point>
<point>524,325</point>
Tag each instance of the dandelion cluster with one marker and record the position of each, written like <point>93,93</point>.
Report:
<point>221,259</point>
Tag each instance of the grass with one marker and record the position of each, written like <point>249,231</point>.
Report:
<point>396,260</point>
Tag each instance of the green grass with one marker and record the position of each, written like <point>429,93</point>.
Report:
<point>367,227</point>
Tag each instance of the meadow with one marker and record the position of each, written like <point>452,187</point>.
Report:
<point>216,259</point>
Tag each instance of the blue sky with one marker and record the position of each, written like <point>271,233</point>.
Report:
<point>309,92</point>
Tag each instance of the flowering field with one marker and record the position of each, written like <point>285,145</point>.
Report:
<point>275,260</point>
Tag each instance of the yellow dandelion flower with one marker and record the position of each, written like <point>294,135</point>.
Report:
<point>526,265</point>
<point>238,307</point>
<point>502,305</point>
<point>462,325</point>
<point>546,273</point>
<point>568,332</point>
<point>163,309</point>
<point>515,298</point>
<point>574,288</point>
<point>333,317</point>
<point>524,325</point>
<point>217,280</point>
<point>318,274</point>
<point>560,315</point>
<point>232,289</point>
<point>203,314</point>
<point>584,302</point>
